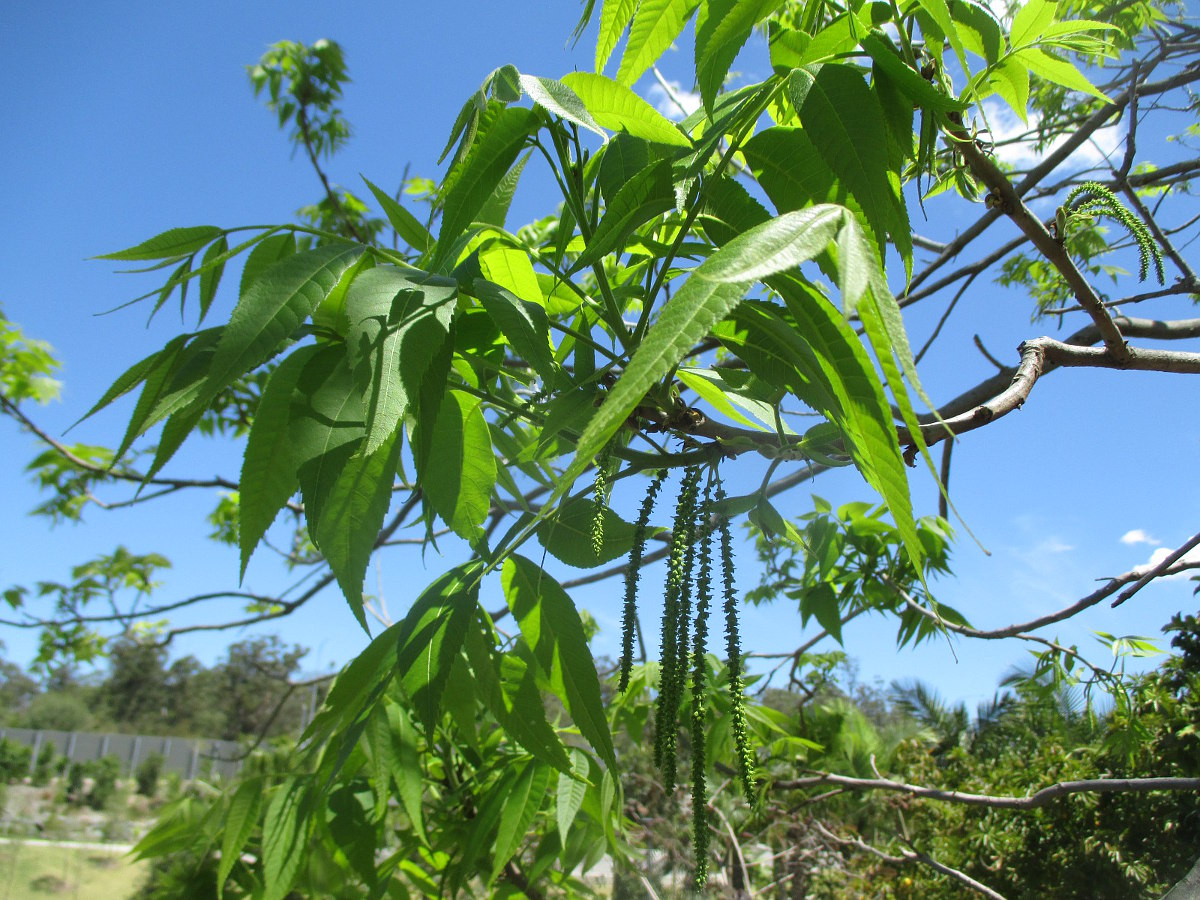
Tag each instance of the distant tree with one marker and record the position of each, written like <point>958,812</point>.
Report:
<point>251,688</point>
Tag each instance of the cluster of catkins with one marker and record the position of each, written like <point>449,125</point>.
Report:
<point>688,601</point>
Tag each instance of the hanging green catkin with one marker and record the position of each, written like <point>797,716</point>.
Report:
<point>699,731</point>
<point>632,574</point>
<point>733,647</point>
<point>601,497</point>
<point>669,689</point>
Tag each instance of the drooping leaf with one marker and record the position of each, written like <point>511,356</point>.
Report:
<point>614,16</point>
<point>647,194</point>
<point>274,305</point>
<point>408,767</point>
<point>617,108</point>
<point>684,320</point>
<point>352,515</point>
<point>722,28</point>
<point>431,635</point>
<point>843,118</point>
<point>269,475</point>
<point>524,800</point>
<point>286,828</point>
<point>790,169</point>
<point>495,150</point>
<point>399,323</point>
<point>411,231</point>
<point>571,789</point>
<point>916,88</point>
<point>210,274</point>
<point>525,325</point>
<point>862,411</point>
<point>508,687</point>
<point>458,479</point>
<point>239,822</point>
<point>326,428</point>
<point>655,26</point>
<point>566,534</point>
<point>551,626</point>
<point>171,244</point>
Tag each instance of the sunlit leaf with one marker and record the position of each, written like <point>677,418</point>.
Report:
<point>551,626</point>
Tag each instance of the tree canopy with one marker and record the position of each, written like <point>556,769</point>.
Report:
<point>710,314</point>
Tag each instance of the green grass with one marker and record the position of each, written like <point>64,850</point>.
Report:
<point>30,871</point>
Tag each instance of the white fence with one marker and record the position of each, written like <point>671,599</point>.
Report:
<point>191,757</point>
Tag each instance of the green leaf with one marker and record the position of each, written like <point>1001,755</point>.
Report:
<point>614,16</point>
<point>431,635</point>
<point>237,826</point>
<point>820,600</point>
<point>861,410</point>
<point>269,475</point>
<point>684,320</point>
<point>286,829</point>
<point>939,11</point>
<point>1055,70</point>
<point>459,477</point>
<point>560,100</point>
<point>491,156</point>
<point>776,245</point>
<point>408,770</point>
<point>170,388</point>
<point>524,800</point>
<point>552,628</point>
<point>649,193</point>
<point>571,789</point>
<point>352,515</point>
<point>411,231</point>
<point>1010,80</point>
<point>495,210</point>
<point>979,30</point>
<point>790,170</point>
<point>325,427</point>
<point>210,275</point>
<point>171,244</point>
<point>356,687</point>
<point>271,310</point>
<point>921,92</point>
<point>1030,22</point>
<point>524,324</point>
<point>566,534</point>
<point>617,108</point>
<point>843,118</point>
<point>266,253</point>
<point>655,26</point>
<point>399,324</point>
<point>508,687</point>
<point>722,28</point>
<point>622,158</point>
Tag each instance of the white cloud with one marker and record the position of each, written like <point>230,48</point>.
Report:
<point>1053,545</point>
<point>1005,125</point>
<point>1137,536</point>
<point>676,104</point>
<point>1161,553</point>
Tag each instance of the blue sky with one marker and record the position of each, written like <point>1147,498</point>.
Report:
<point>122,121</point>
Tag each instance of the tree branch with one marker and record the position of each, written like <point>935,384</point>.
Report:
<point>1034,801</point>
